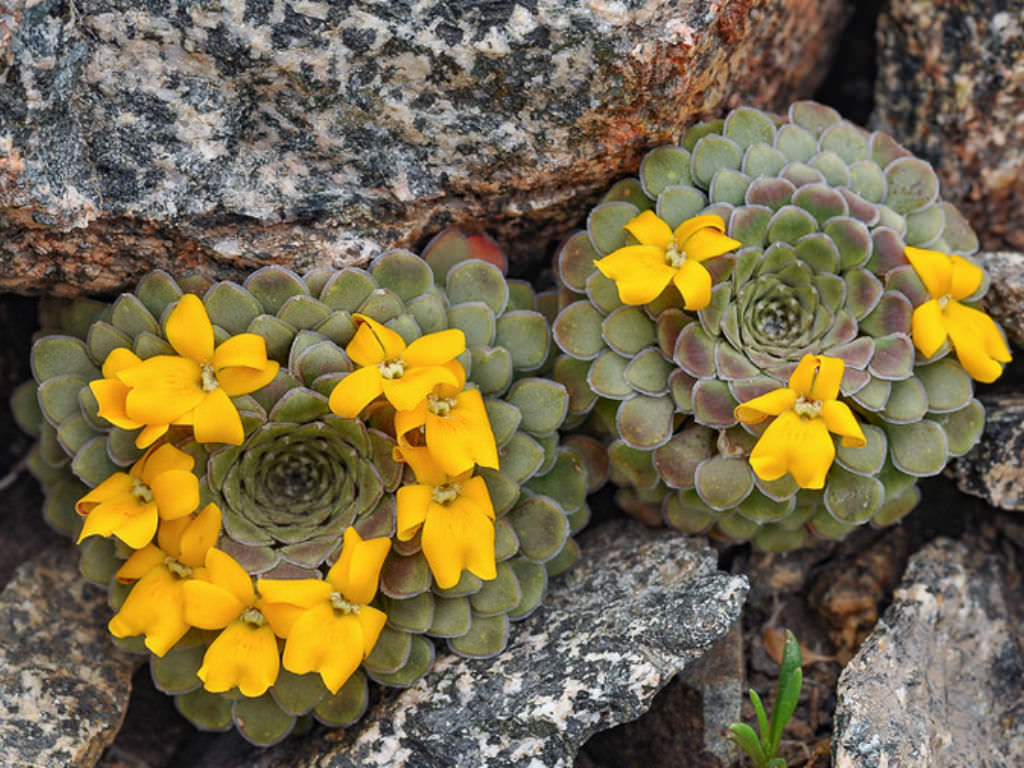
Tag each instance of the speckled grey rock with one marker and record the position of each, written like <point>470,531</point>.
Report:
<point>639,607</point>
<point>938,683</point>
<point>1005,298</point>
<point>994,468</point>
<point>140,133</point>
<point>950,88</point>
<point>63,685</point>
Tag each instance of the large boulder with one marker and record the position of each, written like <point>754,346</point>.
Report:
<point>137,134</point>
<point>950,88</point>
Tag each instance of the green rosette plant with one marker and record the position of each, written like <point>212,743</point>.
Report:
<point>302,476</point>
<point>704,282</point>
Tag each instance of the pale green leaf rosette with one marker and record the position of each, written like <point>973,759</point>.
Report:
<point>822,211</point>
<point>303,475</point>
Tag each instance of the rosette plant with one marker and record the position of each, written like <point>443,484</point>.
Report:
<point>812,230</point>
<point>303,477</point>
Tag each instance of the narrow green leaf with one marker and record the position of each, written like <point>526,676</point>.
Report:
<point>762,718</point>
<point>776,762</point>
<point>790,682</point>
<point>744,735</point>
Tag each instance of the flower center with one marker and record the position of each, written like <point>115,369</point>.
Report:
<point>673,256</point>
<point>208,377</point>
<point>141,491</point>
<point>440,406</point>
<point>446,494</point>
<point>253,617</point>
<point>391,369</point>
<point>341,605</point>
<point>179,570</point>
<point>944,300</point>
<point>807,409</point>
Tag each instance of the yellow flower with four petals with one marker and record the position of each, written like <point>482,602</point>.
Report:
<point>798,440</point>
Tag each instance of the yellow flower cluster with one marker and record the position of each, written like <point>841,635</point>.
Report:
<point>443,434</point>
<point>181,580</point>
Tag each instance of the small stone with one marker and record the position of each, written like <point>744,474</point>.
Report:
<point>938,682</point>
<point>994,468</point>
<point>63,684</point>
<point>639,607</point>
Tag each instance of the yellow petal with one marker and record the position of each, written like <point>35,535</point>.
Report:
<point>165,459</point>
<point>707,243</point>
<point>928,327</point>
<point>163,388</point>
<point>246,350</point>
<point>830,374</point>
<point>356,575</point>
<point>373,343</point>
<point>693,282</point>
<point>811,456</point>
<point>802,378</point>
<point>118,484</point>
<point>242,655</point>
<point>216,420</point>
<point>118,360</point>
<point>189,330</point>
<point>198,536</point>
<point>168,535</point>
<point>372,622</point>
<point>770,457</point>
<point>150,435</point>
<point>209,606</point>
<point>840,420</point>
<point>463,437</point>
<point>414,418</point>
<point>140,563</point>
<point>690,227</point>
<point>224,571</point>
<point>355,392</point>
<point>457,537</point>
<point>649,229</point>
<point>153,608</point>
<point>639,272</point>
<point>176,493</point>
<point>769,404</point>
<point>304,593</point>
<point>280,616</point>
<point>413,502</point>
<point>976,339</point>
<point>934,269</point>
<point>124,517</point>
<point>111,395</point>
<point>406,392</point>
<point>242,381</point>
<point>474,490</point>
<point>435,348</point>
<point>965,279</point>
<point>322,642</point>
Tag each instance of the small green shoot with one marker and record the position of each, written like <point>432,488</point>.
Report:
<point>764,751</point>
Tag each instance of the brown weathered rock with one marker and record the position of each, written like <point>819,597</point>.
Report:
<point>1005,298</point>
<point>950,88</point>
<point>938,682</point>
<point>63,685</point>
<point>227,136</point>
<point>994,468</point>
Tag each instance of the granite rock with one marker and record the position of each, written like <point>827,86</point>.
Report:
<point>950,88</point>
<point>1005,298</point>
<point>137,134</point>
<point>994,468</point>
<point>63,686</point>
<point>938,682</point>
<point>638,608</point>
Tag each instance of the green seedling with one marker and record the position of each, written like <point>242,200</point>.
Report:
<point>764,751</point>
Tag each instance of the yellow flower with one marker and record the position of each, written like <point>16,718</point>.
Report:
<point>798,441</point>
<point>159,486</point>
<point>194,388</point>
<point>334,628</point>
<point>976,339</point>
<point>156,605</point>
<point>403,374</point>
<point>455,427</point>
<point>642,271</point>
<point>245,654</point>
<point>456,516</point>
